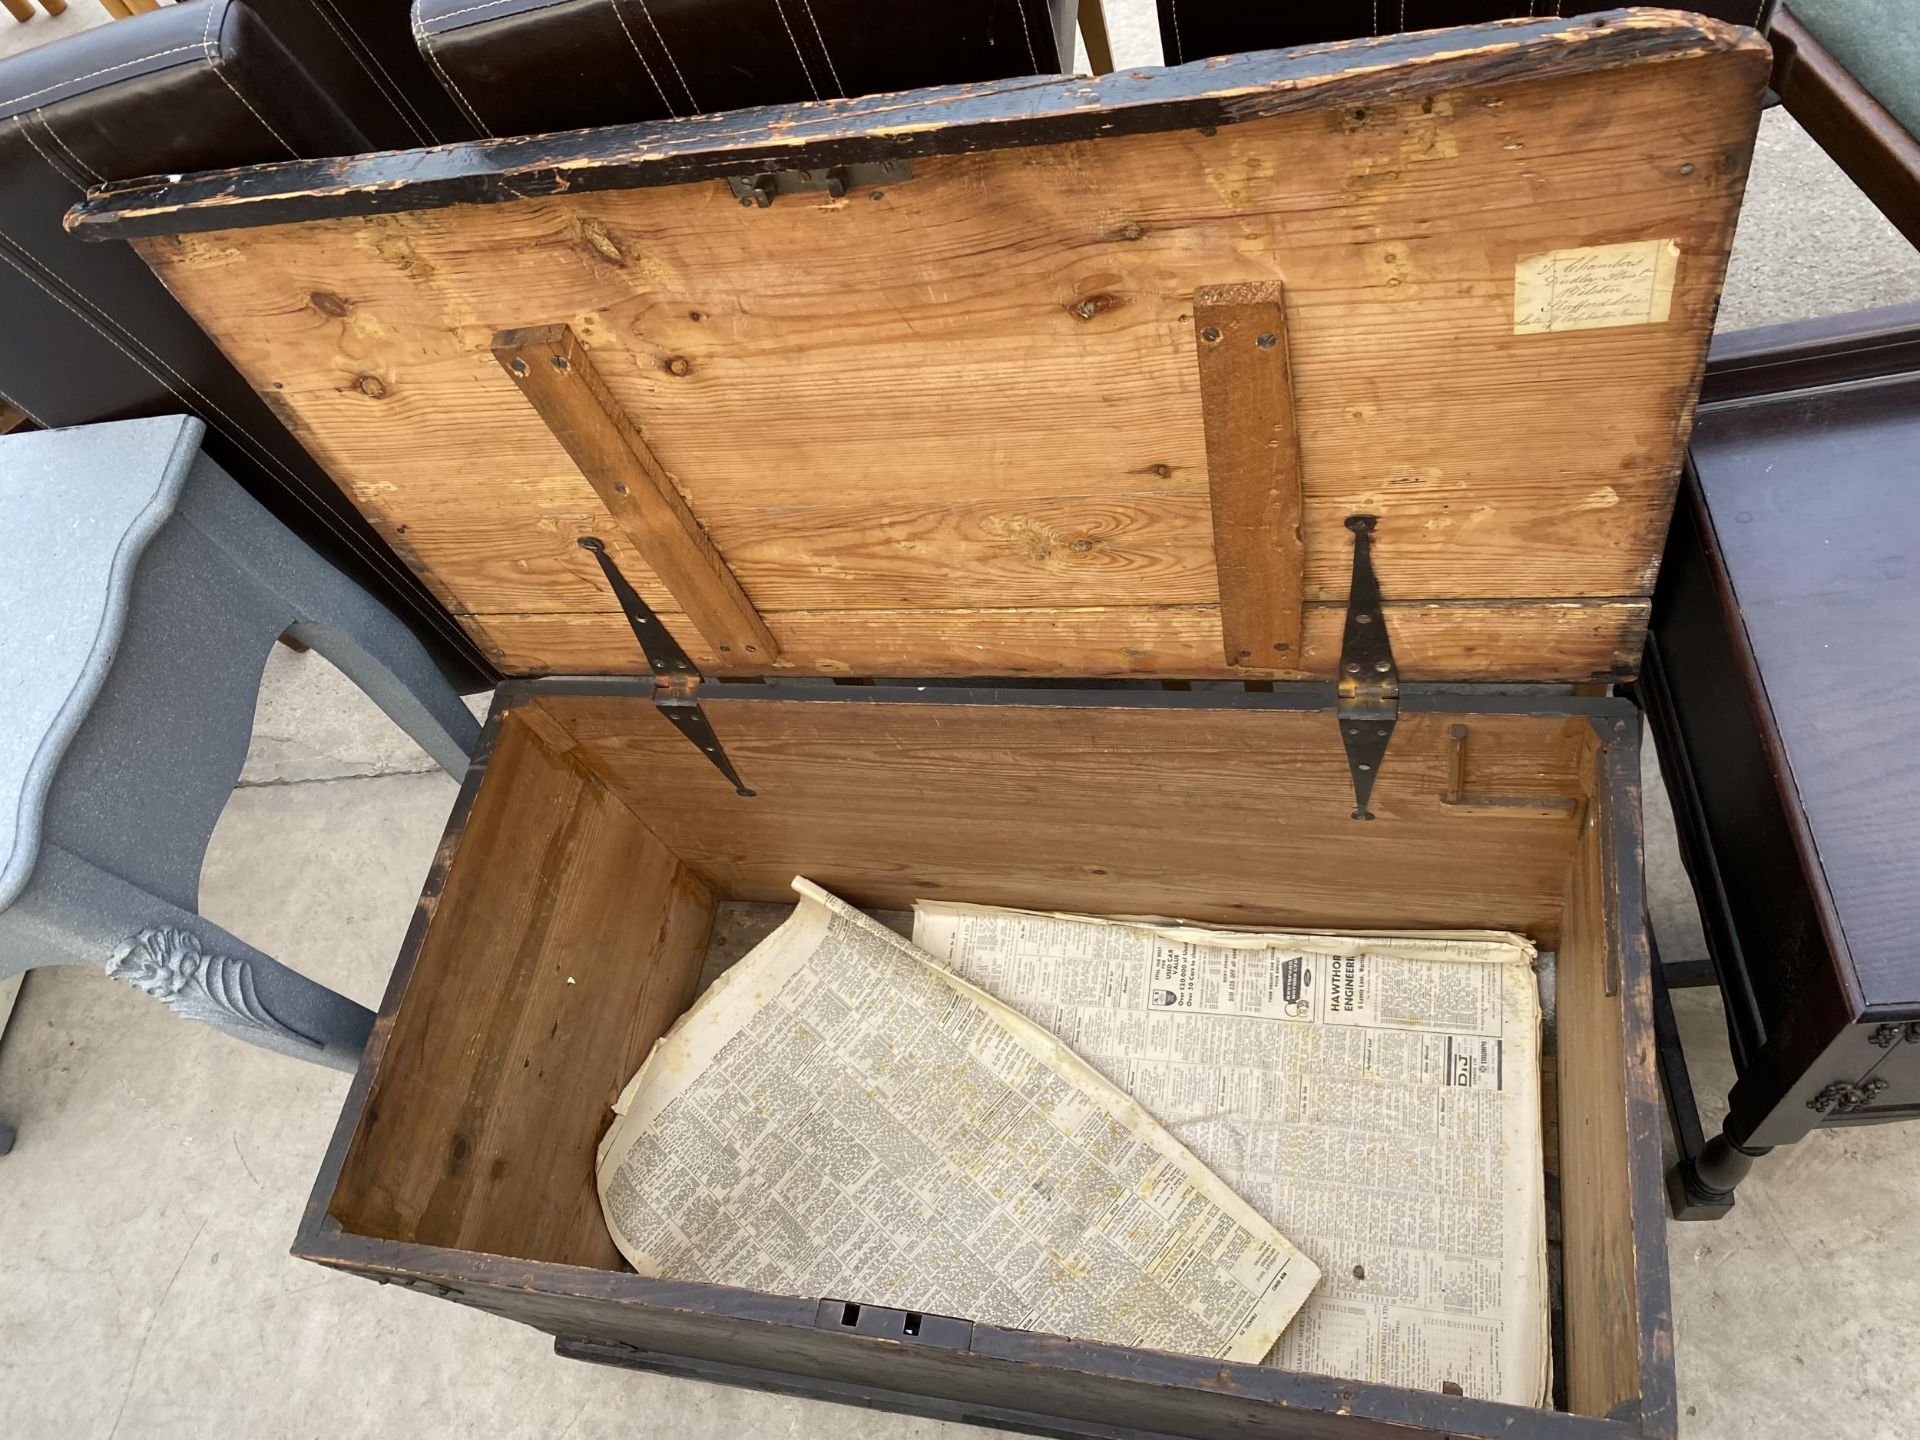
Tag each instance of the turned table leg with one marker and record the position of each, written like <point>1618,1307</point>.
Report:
<point>1701,1186</point>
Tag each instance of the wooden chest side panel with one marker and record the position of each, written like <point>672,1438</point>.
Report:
<point>1076,1387</point>
<point>1618,1314</point>
<point>1235,816</point>
<point>975,393</point>
<point>565,942</point>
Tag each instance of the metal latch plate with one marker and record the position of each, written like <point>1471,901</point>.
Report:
<point>911,1327</point>
<point>835,180</point>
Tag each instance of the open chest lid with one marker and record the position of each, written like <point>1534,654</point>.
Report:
<point>1049,377</point>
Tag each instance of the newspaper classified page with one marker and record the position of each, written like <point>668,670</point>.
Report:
<point>839,1117</point>
<point>1375,1097</point>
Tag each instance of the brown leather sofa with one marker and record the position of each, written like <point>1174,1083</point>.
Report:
<point>1196,29</point>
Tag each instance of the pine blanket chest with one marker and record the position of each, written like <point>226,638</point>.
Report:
<point>1196,490</point>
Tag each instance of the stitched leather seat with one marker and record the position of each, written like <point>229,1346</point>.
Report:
<point>1195,29</point>
<point>91,334</point>
<point>521,67</point>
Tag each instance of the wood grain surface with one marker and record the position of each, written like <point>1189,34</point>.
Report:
<point>1583,641</point>
<point>1238,816</point>
<point>1605,1074</point>
<point>974,393</point>
<point>558,378</point>
<point>1253,469</point>
<point>567,939</point>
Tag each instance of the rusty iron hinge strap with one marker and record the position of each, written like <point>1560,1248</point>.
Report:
<point>763,187</point>
<point>676,679</point>
<point>1369,695</point>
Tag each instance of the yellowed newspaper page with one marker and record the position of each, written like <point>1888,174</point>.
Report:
<point>840,1117</point>
<point>1376,1097</point>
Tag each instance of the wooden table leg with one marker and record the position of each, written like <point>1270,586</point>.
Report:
<point>19,9</point>
<point>1093,34</point>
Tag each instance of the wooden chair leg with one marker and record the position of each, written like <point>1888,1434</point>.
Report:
<point>1093,33</point>
<point>116,9</point>
<point>19,9</point>
<point>140,7</point>
<point>54,7</point>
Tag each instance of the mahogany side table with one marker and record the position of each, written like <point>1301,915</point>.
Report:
<point>1782,684</point>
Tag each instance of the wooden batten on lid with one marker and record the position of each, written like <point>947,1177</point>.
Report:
<point>1067,378</point>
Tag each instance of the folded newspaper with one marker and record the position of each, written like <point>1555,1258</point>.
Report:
<point>1377,1097</point>
<point>840,1117</point>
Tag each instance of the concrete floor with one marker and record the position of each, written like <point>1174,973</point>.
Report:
<point>145,1288</point>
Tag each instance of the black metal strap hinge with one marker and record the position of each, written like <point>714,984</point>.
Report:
<point>763,187</point>
<point>676,679</point>
<point>1369,699</point>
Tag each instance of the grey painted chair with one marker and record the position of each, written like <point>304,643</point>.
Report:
<point>140,593</point>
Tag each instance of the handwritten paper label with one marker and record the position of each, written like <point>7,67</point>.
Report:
<point>1594,287</point>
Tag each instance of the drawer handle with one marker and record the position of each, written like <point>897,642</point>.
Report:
<point>1842,1096</point>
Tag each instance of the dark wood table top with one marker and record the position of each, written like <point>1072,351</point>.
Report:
<point>1814,497</point>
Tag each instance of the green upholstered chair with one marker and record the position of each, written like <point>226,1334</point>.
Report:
<point>1849,72</point>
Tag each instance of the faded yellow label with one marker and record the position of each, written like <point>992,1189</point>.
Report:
<point>1594,287</point>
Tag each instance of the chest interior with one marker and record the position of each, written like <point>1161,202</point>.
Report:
<point>571,925</point>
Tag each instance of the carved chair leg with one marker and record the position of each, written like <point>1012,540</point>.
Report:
<point>73,913</point>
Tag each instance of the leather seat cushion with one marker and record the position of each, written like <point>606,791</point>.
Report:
<point>521,67</point>
<point>1195,29</point>
<point>199,86</point>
